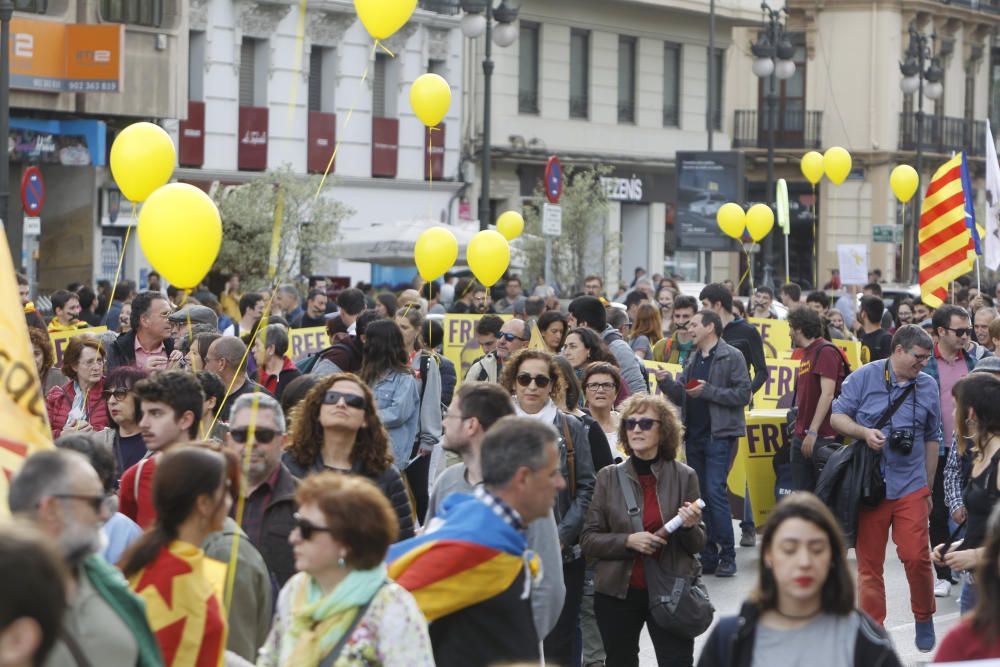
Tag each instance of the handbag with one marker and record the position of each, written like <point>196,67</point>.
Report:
<point>677,603</point>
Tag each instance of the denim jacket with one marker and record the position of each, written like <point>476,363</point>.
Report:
<point>398,398</point>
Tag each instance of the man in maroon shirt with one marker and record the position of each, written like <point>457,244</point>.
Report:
<point>821,371</point>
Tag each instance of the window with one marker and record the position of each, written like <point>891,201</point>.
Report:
<point>196,66</point>
<point>316,79</point>
<point>248,66</point>
<point>626,79</point>
<point>720,63</point>
<point>379,85</point>
<point>527,80</point>
<point>672,85</point>
<point>579,73</point>
<point>137,12</point>
<point>33,6</point>
<point>439,67</point>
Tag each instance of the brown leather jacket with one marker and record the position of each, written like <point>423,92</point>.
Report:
<point>607,525</point>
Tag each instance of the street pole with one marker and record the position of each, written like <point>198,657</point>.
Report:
<point>484,193</point>
<point>915,242</point>
<point>6,12</point>
<point>711,108</point>
<point>772,103</point>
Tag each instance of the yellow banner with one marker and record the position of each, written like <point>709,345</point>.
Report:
<point>673,369</point>
<point>22,404</point>
<point>304,342</point>
<point>753,466</point>
<point>782,374</point>
<point>61,339</point>
<point>775,335</point>
<point>852,349</point>
<point>460,343</point>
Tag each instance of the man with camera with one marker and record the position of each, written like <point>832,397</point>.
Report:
<point>893,408</point>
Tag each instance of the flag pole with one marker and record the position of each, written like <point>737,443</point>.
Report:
<point>979,278</point>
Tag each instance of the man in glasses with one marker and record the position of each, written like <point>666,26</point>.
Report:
<point>950,363</point>
<point>514,335</point>
<point>270,496</point>
<point>62,495</point>
<point>893,408</point>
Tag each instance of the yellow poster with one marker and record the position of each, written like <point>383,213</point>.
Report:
<point>782,374</point>
<point>852,349</point>
<point>775,335</point>
<point>460,343</point>
<point>653,366</point>
<point>61,339</point>
<point>304,342</point>
<point>753,466</point>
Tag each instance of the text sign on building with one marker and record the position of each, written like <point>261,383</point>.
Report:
<point>192,136</point>
<point>61,57</point>
<point>551,219</point>
<point>887,233</point>
<point>623,189</point>
<point>252,151</point>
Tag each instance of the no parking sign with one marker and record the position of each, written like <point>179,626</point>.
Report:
<point>32,191</point>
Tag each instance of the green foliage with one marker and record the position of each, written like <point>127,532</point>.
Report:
<point>248,211</point>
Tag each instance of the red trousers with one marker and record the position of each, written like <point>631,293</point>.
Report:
<point>907,516</point>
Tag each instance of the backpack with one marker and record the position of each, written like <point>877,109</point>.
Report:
<point>307,364</point>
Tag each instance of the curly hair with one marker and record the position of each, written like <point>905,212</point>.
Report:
<point>557,389</point>
<point>671,429</point>
<point>371,444</point>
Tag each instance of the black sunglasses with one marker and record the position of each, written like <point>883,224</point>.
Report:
<point>541,381</point>
<point>509,337</point>
<point>644,424</point>
<point>95,502</point>
<point>959,332</point>
<point>262,435</point>
<point>352,400</point>
<point>307,528</point>
<point>119,393</point>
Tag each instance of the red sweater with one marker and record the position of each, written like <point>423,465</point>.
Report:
<point>135,497</point>
<point>59,402</point>
<point>963,642</point>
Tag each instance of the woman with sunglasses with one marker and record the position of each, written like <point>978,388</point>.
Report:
<point>167,568</point>
<point>79,404</point>
<point>341,608</point>
<point>802,611</point>
<point>534,380</point>
<point>601,382</point>
<point>337,427</point>
<point>127,446</point>
<point>663,487</point>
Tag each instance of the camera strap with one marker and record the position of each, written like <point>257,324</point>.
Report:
<point>894,405</point>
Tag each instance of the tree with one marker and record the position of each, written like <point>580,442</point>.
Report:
<point>248,217</point>
<point>584,240</point>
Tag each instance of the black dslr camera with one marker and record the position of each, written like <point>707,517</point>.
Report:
<point>901,440</point>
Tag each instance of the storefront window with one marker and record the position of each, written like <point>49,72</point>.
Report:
<point>33,6</point>
<point>136,12</point>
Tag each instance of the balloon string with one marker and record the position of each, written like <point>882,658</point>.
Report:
<point>300,34</point>
<point>118,275</point>
<point>815,242</point>
<point>746,251</point>
<point>382,46</point>
<point>350,113</point>
<point>241,503</point>
<point>279,213</point>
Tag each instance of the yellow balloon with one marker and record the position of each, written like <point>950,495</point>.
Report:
<point>435,252</point>
<point>837,162</point>
<point>760,221</point>
<point>430,97</point>
<point>812,166</point>
<point>142,160</point>
<point>904,181</point>
<point>488,256</point>
<point>382,18</point>
<point>732,220</point>
<point>180,232</point>
<point>510,225</point>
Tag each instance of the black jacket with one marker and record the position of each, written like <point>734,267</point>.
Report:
<point>122,351</point>
<point>732,641</point>
<point>277,525</point>
<point>285,378</point>
<point>843,482</point>
<point>744,337</point>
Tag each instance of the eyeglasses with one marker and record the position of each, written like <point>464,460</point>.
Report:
<point>118,393</point>
<point>95,502</point>
<point>919,357</point>
<point>599,386</point>
<point>509,337</point>
<point>308,528</point>
<point>97,361</point>
<point>541,381</point>
<point>644,423</point>
<point>262,435</point>
<point>961,333</point>
<point>352,400</point>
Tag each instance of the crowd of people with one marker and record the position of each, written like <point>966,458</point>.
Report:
<point>212,501</point>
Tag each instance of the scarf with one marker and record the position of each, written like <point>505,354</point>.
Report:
<point>78,409</point>
<point>113,589</point>
<point>546,415</point>
<point>319,621</point>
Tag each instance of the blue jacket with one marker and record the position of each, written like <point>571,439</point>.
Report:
<point>398,398</point>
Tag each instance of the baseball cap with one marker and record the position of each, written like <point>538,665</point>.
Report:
<point>197,315</point>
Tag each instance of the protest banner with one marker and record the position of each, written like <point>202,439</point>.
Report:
<point>653,366</point>
<point>852,350</point>
<point>60,340</point>
<point>782,374</point>
<point>460,343</point>
<point>304,342</point>
<point>753,468</point>
<point>775,336</point>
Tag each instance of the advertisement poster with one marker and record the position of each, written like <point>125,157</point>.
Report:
<point>705,181</point>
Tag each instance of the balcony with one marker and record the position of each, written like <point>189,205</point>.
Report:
<point>942,134</point>
<point>991,6</point>
<point>794,129</point>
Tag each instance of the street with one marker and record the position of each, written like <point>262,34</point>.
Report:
<point>728,594</point>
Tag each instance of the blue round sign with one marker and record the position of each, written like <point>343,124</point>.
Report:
<point>553,180</point>
<point>32,191</point>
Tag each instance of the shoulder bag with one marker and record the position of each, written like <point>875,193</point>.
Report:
<point>678,603</point>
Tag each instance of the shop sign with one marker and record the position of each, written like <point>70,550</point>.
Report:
<point>67,57</point>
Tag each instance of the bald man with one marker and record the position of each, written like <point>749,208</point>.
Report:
<point>226,358</point>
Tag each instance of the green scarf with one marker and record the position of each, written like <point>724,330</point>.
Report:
<point>318,622</point>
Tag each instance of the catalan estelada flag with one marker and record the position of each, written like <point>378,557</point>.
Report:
<point>947,250</point>
<point>24,423</point>
<point>471,555</point>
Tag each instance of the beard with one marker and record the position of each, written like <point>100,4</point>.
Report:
<point>80,542</point>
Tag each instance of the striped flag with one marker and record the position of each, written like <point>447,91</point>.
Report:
<point>947,249</point>
<point>975,230</point>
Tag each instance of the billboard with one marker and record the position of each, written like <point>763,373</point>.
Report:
<point>705,181</point>
<point>61,57</point>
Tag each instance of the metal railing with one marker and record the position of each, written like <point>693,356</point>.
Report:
<point>793,129</point>
<point>579,107</point>
<point>942,134</point>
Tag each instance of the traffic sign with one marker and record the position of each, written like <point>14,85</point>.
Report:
<point>887,233</point>
<point>551,219</point>
<point>553,180</point>
<point>32,191</point>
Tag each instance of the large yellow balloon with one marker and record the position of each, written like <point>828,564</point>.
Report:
<point>180,232</point>
<point>435,252</point>
<point>142,159</point>
<point>732,220</point>
<point>760,221</point>
<point>904,181</point>
<point>812,166</point>
<point>382,18</point>
<point>430,97</point>
<point>510,225</point>
<point>837,163</point>
<point>488,256</point>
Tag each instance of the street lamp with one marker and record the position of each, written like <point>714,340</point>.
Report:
<point>478,19</point>
<point>6,13</point>
<point>920,66</point>
<point>773,59</point>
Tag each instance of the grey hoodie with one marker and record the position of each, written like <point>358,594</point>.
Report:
<point>628,363</point>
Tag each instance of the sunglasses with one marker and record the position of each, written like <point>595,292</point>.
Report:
<point>352,400</point>
<point>961,333</point>
<point>644,423</point>
<point>119,393</point>
<point>307,528</point>
<point>603,386</point>
<point>509,337</point>
<point>95,502</point>
<point>262,435</point>
<point>541,381</point>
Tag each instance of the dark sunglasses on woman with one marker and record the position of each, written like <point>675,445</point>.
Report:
<point>352,400</point>
<point>541,381</point>
<point>119,393</point>
<point>644,424</point>
<point>307,528</point>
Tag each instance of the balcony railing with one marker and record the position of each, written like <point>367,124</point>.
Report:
<point>579,106</point>
<point>991,6</point>
<point>527,101</point>
<point>793,129</point>
<point>942,134</point>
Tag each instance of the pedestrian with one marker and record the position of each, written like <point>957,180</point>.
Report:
<point>435,344</point>
<point>41,347</point>
<point>666,300</point>
<point>584,347</point>
<point>167,568</point>
<point>647,330</point>
<point>588,311</point>
<point>601,382</point>
<point>127,446</point>
<point>345,353</point>
<point>802,608</point>
<point>512,292</point>
<point>894,409</point>
<point>148,343</point>
<point>286,300</point>
<point>337,428</point>
<point>66,312</point>
<point>385,305</point>
<point>876,343</point>
<point>124,293</point>
<point>275,369</point>
<point>190,321</point>
<point>79,405</point>
<point>791,295</point>
<point>763,298</point>
<point>512,336</point>
<point>661,487</point>
<point>552,327</point>
<point>251,309</point>
<point>227,358</point>
<point>341,608</point>
<point>675,348</point>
